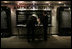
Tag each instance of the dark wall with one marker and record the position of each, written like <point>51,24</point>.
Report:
<point>64,20</point>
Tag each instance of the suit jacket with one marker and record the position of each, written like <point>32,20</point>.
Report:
<point>44,20</point>
<point>32,21</point>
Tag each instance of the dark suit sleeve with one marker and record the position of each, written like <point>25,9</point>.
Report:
<point>36,21</point>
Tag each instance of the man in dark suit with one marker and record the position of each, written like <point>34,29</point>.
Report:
<point>31,27</point>
<point>44,20</point>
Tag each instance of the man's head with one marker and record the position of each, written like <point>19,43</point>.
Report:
<point>44,13</point>
<point>34,15</point>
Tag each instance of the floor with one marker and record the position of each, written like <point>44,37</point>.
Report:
<point>54,41</point>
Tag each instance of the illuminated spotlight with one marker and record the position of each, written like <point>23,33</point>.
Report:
<point>47,2</point>
<point>33,1</point>
<point>18,2</point>
<point>59,2</point>
<point>5,1</point>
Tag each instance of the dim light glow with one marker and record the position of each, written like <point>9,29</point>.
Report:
<point>45,9</point>
<point>55,35</point>
<point>47,2</point>
<point>20,1</point>
<point>34,8</point>
<point>64,4</point>
<point>21,9</point>
<point>69,8</point>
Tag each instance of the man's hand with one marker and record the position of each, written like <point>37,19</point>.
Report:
<point>38,20</point>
